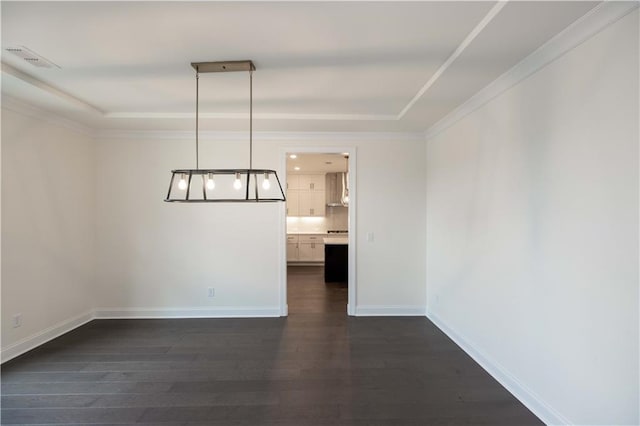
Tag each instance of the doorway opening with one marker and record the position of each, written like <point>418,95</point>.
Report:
<point>319,254</point>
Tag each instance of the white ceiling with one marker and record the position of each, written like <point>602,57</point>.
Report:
<point>321,66</point>
<point>311,163</point>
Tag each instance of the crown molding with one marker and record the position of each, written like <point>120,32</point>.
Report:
<point>29,79</point>
<point>29,110</point>
<point>62,95</point>
<point>260,136</point>
<point>461,48</point>
<point>256,116</point>
<point>594,21</point>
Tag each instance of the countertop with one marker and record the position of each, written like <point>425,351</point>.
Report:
<point>306,233</point>
<point>336,240</point>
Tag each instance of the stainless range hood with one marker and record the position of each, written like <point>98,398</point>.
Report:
<point>337,189</point>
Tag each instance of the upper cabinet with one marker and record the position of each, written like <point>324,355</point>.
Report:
<point>311,182</point>
<point>293,202</point>
<point>311,203</point>
<point>305,195</point>
<point>293,182</point>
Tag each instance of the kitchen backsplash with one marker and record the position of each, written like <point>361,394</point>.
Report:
<point>337,218</point>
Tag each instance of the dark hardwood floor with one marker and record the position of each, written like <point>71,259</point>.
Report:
<point>316,367</point>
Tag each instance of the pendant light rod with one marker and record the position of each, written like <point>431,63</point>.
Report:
<point>251,135</point>
<point>251,119</point>
<point>197,115</point>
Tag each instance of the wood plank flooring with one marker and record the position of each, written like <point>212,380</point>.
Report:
<point>316,367</point>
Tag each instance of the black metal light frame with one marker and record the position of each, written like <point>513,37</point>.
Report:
<point>249,196</point>
<point>185,195</point>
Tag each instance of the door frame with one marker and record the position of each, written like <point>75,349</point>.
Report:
<point>352,286</point>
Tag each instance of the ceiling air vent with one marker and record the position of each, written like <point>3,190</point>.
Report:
<point>31,57</point>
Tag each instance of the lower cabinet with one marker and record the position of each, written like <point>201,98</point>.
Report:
<point>305,248</point>
<point>292,252</point>
<point>310,252</point>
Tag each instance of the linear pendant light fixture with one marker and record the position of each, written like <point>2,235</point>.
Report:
<point>225,185</point>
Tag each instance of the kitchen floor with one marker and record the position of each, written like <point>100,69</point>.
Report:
<point>308,293</point>
<point>316,367</point>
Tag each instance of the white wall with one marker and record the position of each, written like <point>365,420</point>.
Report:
<point>532,232</point>
<point>47,229</point>
<point>155,257</point>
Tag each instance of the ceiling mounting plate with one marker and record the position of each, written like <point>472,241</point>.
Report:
<point>223,66</point>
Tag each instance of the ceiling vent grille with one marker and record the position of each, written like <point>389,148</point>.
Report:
<point>31,57</point>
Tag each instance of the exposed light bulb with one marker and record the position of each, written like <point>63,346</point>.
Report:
<point>237,184</point>
<point>296,168</point>
<point>183,182</point>
<point>210,183</point>
<point>265,183</point>
<point>293,156</point>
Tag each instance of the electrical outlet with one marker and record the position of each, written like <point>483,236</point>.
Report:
<point>17,320</point>
<point>211,292</point>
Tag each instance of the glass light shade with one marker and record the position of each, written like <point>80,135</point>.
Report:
<point>237,184</point>
<point>211,184</point>
<point>182,185</point>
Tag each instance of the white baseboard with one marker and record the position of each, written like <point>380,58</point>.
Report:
<point>530,399</point>
<point>389,311</point>
<point>41,337</point>
<point>201,312</point>
<point>37,339</point>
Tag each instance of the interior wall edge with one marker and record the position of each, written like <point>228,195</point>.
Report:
<point>530,399</point>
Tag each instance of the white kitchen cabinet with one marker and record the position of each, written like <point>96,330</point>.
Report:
<point>306,195</point>
<point>292,252</point>
<point>311,203</point>
<point>318,203</point>
<point>311,248</point>
<point>311,182</point>
<point>292,248</point>
<point>305,248</point>
<point>311,252</point>
<point>305,253</point>
<point>293,202</point>
<point>293,182</point>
